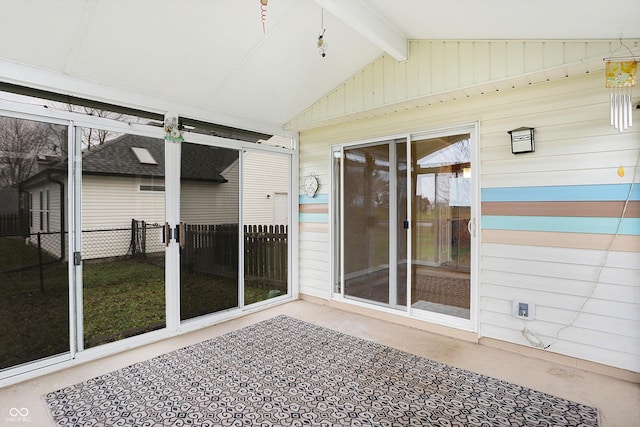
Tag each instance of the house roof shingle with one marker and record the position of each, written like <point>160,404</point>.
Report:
<point>116,158</point>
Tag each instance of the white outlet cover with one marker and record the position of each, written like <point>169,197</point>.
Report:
<point>529,312</point>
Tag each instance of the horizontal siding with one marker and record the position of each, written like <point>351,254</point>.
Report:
<point>576,224</point>
<point>209,203</point>
<point>315,163</point>
<point>577,158</point>
<point>314,264</point>
<point>265,174</point>
<point>562,240</point>
<point>314,255</point>
<point>112,202</point>
<point>567,285</point>
<point>314,209</point>
<point>564,193</point>
<point>563,208</point>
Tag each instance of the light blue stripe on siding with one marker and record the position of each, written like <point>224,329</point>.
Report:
<point>313,217</point>
<point>604,192</point>
<point>630,226</point>
<point>319,198</point>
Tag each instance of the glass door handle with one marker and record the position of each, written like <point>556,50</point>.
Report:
<point>180,236</point>
<point>471,226</point>
<point>166,235</point>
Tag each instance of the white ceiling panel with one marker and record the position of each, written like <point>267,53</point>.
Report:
<point>213,57</point>
<point>288,73</point>
<point>512,19</point>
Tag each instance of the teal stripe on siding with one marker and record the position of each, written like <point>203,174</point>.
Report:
<point>319,198</point>
<point>630,226</point>
<point>313,217</point>
<point>561,193</point>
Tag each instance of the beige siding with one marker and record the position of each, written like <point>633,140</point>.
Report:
<point>110,203</point>
<point>574,145</point>
<point>210,202</point>
<point>444,70</point>
<point>265,175</point>
<point>314,264</point>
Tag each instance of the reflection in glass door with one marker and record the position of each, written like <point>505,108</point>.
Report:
<point>34,272</point>
<point>209,212</point>
<point>123,199</point>
<point>403,224</point>
<point>374,207</point>
<point>265,196</point>
<point>441,211</point>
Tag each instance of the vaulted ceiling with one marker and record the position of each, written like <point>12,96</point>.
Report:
<point>214,60</point>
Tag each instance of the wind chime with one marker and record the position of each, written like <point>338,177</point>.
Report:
<point>263,13</point>
<point>621,74</point>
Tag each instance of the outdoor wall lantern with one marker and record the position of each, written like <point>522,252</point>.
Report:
<point>522,140</point>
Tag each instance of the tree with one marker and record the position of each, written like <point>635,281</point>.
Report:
<point>92,137</point>
<point>21,143</point>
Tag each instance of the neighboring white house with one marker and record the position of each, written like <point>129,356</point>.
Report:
<point>123,180</point>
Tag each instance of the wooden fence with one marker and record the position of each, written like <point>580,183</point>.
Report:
<point>265,260</point>
<point>14,224</point>
<point>213,249</point>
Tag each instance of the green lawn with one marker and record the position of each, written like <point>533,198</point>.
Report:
<point>121,298</point>
<point>33,324</point>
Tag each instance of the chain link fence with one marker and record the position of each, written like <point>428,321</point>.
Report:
<point>140,241</point>
<point>39,252</point>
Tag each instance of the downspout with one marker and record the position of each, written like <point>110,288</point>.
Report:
<point>62,222</point>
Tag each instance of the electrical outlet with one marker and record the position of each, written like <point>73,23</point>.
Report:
<point>523,309</point>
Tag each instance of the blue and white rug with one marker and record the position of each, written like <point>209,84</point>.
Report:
<point>286,372</point>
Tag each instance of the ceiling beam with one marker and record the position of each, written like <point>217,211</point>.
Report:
<point>365,20</point>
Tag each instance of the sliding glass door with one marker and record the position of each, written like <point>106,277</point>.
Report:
<point>210,227</point>
<point>265,197</point>
<point>34,269</point>
<point>374,246</point>
<point>123,258</point>
<point>440,236</point>
<point>111,230</point>
<point>405,223</point>
<point>215,182</point>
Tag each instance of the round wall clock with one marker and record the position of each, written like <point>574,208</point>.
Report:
<point>310,185</point>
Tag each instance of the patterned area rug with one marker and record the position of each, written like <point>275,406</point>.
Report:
<point>286,372</point>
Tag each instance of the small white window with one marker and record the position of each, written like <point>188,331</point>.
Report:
<point>151,187</point>
<point>144,156</point>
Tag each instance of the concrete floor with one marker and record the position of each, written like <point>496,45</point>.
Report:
<point>618,401</point>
